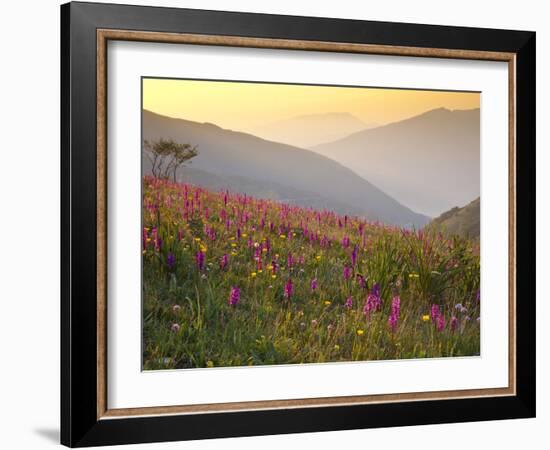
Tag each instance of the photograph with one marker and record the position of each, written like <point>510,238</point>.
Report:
<point>296,223</point>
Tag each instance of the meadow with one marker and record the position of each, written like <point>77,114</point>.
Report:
<point>232,280</point>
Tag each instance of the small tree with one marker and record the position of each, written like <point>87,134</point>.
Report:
<point>167,155</point>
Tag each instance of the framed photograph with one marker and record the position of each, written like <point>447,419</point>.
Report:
<point>276,224</point>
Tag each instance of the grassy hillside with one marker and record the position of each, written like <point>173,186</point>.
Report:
<point>460,221</point>
<point>233,154</point>
<point>232,280</point>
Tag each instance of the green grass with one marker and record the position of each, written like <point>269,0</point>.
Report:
<point>313,326</point>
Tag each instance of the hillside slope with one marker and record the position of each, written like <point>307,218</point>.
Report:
<point>232,154</point>
<point>463,221</point>
<point>429,162</point>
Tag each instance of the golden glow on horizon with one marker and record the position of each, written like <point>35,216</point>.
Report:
<point>245,106</point>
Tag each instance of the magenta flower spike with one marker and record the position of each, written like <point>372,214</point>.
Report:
<point>313,284</point>
<point>171,260</point>
<point>199,259</point>
<point>234,296</point>
<point>224,261</point>
<point>347,272</point>
<point>440,323</point>
<point>354,255</point>
<point>288,289</point>
<point>349,302</point>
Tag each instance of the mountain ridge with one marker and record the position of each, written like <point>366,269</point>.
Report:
<point>429,162</point>
<point>234,153</point>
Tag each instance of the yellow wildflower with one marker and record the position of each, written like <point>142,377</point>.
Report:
<point>253,274</point>
<point>273,276</point>
<point>318,257</point>
<point>327,302</point>
<point>260,270</point>
<point>360,332</point>
<point>282,236</point>
<point>244,235</point>
<point>233,245</point>
<point>425,318</point>
<point>198,239</point>
<point>336,347</point>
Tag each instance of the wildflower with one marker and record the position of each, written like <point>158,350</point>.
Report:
<point>414,275</point>
<point>290,260</point>
<point>171,260</point>
<point>349,302</point>
<point>440,323</point>
<point>176,309</point>
<point>273,276</point>
<point>175,328</point>
<point>318,257</point>
<point>395,311</point>
<point>354,255</point>
<point>361,281</point>
<point>345,242</point>
<point>253,274</point>
<point>453,324</point>
<point>396,306</point>
<point>327,302</point>
<point>224,261</point>
<point>199,259</point>
<point>313,284</point>
<point>360,332</point>
<point>425,318</point>
<point>347,272</point>
<point>234,296</point>
<point>374,302</point>
<point>336,347</point>
<point>288,289</point>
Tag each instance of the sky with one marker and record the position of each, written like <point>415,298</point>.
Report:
<point>245,106</point>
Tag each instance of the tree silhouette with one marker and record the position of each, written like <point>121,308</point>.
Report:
<point>167,155</point>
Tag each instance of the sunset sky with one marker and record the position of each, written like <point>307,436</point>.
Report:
<point>245,106</point>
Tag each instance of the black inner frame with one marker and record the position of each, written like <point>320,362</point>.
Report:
<point>79,423</point>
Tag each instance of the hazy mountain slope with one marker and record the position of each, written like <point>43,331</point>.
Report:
<point>462,221</point>
<point>429,162</point>
<point>260,189</point>
<point>228,153</point>
<point>313,129</point>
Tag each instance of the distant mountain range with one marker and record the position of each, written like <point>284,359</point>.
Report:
<point>463,221</point>
<point>245,163</point>
<point>314,129</point>
<point>430,162</point>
